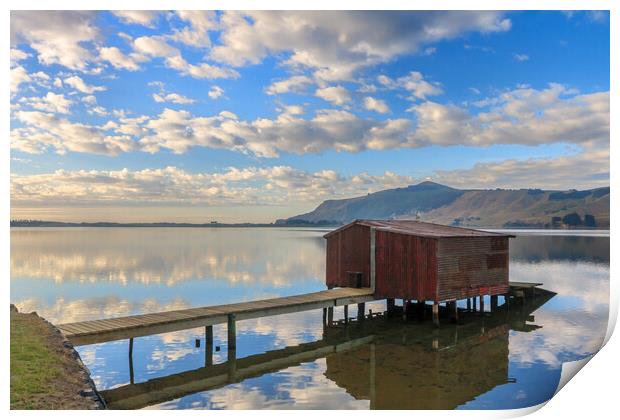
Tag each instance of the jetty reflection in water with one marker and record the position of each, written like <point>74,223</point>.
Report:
<point>392,364</point>
<point>77,274</point>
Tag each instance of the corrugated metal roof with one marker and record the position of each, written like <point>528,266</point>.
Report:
<point>417,228</point>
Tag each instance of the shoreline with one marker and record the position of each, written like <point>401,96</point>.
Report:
<point>46,370</point>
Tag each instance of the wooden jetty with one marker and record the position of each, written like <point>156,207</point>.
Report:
<point>90,332</point>
<point>477,351</point>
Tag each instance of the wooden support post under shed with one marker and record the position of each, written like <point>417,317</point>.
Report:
<point>346,314</point>
<point>436,313</point>
<point>482,304</point>
<point>232,332</point>
<point>361,310</point>
<point>493,303</point>
<point>455,311</point>
<point>209,345</point>
<point>330,315</point>
<point>469,304</point>
<point>474,305</point>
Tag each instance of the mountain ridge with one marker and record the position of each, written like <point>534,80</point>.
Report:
<point>433,202</point>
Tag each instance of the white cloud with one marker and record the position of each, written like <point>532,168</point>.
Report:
<point>19,75</point>
<point>377,105</point>
<point>173,97</point>
<point>51,102</point>
<point>77,83</point>
<point>414,83</point>
<point>521,116</point>
<point>215,92</point>
<point>335,44</point>
<point>43,131</point>
<point>521,57</point>
<point>269,185</point>
<point>585,170</point>
<point>18,55</point>
<point>140,17</point>
<point>89,99</point>
<point>337,95</point>
<point>157,47</point>
<point>200,22</point>
<point>295,84</point>
<point>58,37</point>
<point>119,60</point>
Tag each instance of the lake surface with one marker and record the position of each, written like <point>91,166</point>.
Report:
<point>505,359</point>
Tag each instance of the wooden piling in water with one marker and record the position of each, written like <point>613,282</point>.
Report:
<point>436,313</point>
<point>232,332</point>
<point>481,304</point>
<point>493,303</point>
<point>209,345</point>
<point>469,304</point>
<point>131,378</point>
<point>361,310</point>
<point>346,314</point>
<point>330,315</point>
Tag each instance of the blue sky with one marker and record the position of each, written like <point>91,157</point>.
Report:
<point>252,116</point>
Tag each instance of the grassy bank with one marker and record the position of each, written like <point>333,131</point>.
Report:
<point>45,374</point>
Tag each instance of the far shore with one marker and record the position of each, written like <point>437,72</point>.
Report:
<point>296,224</point>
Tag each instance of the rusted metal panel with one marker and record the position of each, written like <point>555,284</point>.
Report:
<point>406,266</point>
<point>472,267</point>
<point>348,251</point>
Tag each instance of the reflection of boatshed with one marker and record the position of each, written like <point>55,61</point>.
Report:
<point>407,259</point>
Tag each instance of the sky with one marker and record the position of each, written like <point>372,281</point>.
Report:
<point>195,116</point>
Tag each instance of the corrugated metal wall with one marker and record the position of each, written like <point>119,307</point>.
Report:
<point>406,266</point>
<point>348,251</point>
<point>472,267</point>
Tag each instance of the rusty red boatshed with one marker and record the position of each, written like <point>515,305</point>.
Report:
<point>413,260</point>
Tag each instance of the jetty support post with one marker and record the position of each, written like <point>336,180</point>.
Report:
<point>346,314</point>
<point>324,316</point>
<point>131,378</point>
<point>493,303</point>
<point>361,310</point>
<point>330,315</point>
<point>232,332</point>
<point>474,300</point>
<point>436,313</point>
<point>482,304</point>
<point>209,345</point>
<point>469,304</point>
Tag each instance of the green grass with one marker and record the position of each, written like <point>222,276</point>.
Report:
<point>34,365</point>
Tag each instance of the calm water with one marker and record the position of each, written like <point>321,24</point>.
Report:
<point>508,359</point>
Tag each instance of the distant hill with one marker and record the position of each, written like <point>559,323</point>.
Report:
<point>475,208</point>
